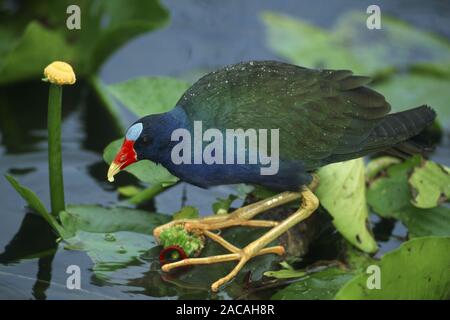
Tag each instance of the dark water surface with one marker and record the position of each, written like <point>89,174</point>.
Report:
<point>202,35</point>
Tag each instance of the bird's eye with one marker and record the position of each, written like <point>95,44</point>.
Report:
<point>146,140</point>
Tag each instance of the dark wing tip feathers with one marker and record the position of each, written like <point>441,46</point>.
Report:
<point>429,112</point>
<point>406,124</point>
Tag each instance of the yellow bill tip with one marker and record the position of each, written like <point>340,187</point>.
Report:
<point>114,168</point>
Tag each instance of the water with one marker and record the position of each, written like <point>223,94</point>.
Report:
<point>229,32</point>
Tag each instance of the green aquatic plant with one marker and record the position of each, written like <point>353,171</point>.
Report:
<point>57,74</point>
<point>191,243</point>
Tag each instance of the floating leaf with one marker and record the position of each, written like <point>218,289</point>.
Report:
<point>390,197</point>
<point>377,165</point>
<point>419,269</point>
<point>318,285</point>
<point>149,95</point>
<point>144,170</point>
<point>342,191</point>
<point>404,91</point>
<point>430,184</point>
<point>243,190</point>
<point>98,219</point>
<point>305,44</point>
<point>186,212</point>
<point>349,44</point>
<point>110,253</point>
<point>112,237</point>
<point>285,274</point>
<point>221,206</point>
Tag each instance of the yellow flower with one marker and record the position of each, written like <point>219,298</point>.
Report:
<point>59,72</point>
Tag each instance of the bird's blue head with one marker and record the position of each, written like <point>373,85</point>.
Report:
<point>148,138</point>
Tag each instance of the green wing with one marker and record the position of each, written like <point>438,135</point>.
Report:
<point>320,113</point>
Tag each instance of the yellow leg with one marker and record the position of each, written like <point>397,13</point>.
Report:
<point>238,217</point>
<point>257,247</point>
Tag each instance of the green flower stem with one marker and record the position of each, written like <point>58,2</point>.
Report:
<point>147,193</point>
<point>54,149</point>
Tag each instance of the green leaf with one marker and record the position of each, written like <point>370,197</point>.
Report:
<point>318,285</point>
<point>123,22</point>
<point>390,197</point>
<point>129,191</point>
<point>187,212</point>
<point>112,237</point>
<point>144,170</point>
<point>221,206</point>
<point>285,274</point>
<point>149,95</point>
<point>350,45</point>
<point>243,190</point>
<point>35,203</point>
<point>260,192</point>
<point>404,91</point>
<point>305,44</point>
<point>418,269</point>
<point>191,243</point>
<point>430,184</point>
<point>111,252</point>
<point>342,192</point>
<point>105,26</point>
<point>377,165</point>
<point>29,56</point>
<point>98,219</point>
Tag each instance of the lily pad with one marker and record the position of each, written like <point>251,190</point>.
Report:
<point>404,91</point>
<point>342,192</point>
<point>419,269</point>
<point>285,274</point>
<point>377,165</point>
<point>186,212</point>
<point>349,44</point>
<point>390,197</point>
<point>430,184</point>
<point>149,95</point>
<point>112,237</point>
<point>144,170</point>
<point>322,284</point>
<point>111,252</point>
<point>222,206</point>
<point>98,219</point>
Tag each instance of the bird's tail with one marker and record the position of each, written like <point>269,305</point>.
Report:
<point>392,135</point>
<point>396,129</point>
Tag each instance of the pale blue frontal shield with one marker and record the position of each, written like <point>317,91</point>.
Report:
<point>134,131</point>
